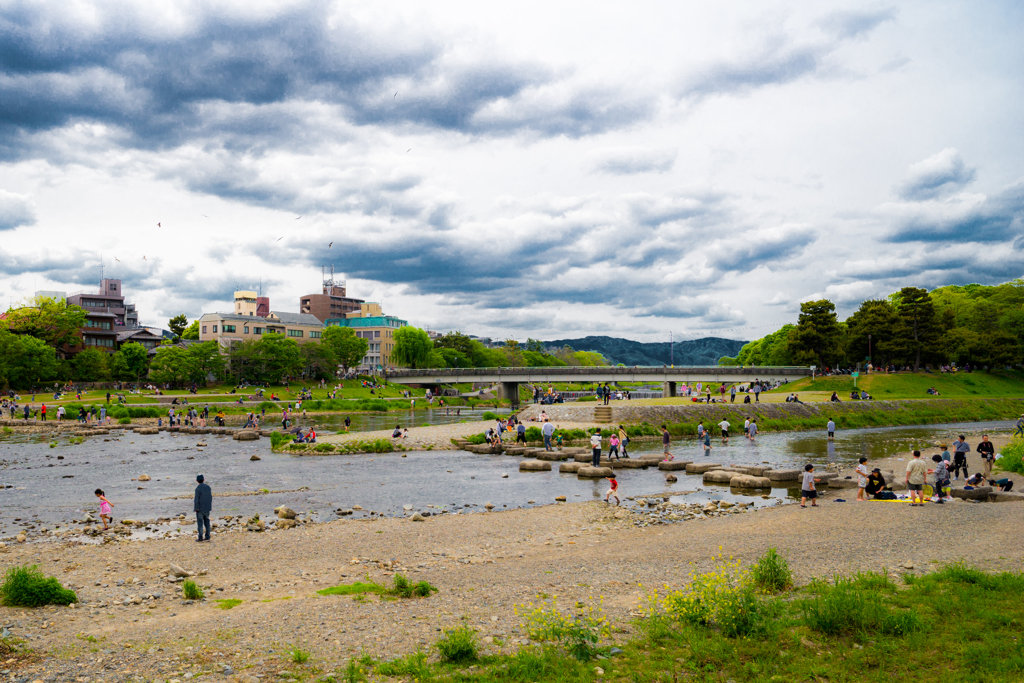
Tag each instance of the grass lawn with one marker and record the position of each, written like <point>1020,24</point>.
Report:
<point>912,385</point>
<point>956,624</point>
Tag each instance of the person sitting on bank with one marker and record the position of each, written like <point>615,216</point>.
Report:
<point>876,483</point>
<point>397,434</point>
<point>835,398</point>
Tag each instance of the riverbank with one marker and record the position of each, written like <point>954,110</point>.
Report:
<point>682,418</point>
<point>483,565</point>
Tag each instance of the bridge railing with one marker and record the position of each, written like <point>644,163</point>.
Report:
<point>603,370</point>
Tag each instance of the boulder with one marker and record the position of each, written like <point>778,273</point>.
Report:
<point>571,467</point>
<point>147,430</point>
<point>583,457</point>
<point>286,523</point>
<point>178,571</point>
<point>551,456</point>
<point>841,483</point>
<point>258,525</point>
<point>488,506</point>
<point>748,481</point>
<point>785,475</point>
<point>702,467</point>
<point>560,499</point>
<point>671,478</point>
<point>720,477</point>
<point>630,464</point>
<point>590,472</point>
<point>826,477</point>
<point>144,477</point>
<point>977,493</point>
<point>254,457</point>
<point>754,470</point>
<point>246,435</point>
<point>1005,497</point>
<point>673,465</point>
<point>534,466</point>
<point>417,517</point>
<point>285,512</point>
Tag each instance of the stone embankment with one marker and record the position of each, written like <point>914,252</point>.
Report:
<point>75,428</point>
<point>711,413</point>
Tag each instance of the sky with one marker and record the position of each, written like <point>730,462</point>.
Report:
<point>513,170</point>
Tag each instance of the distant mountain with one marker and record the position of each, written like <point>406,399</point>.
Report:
<point>704,351</point>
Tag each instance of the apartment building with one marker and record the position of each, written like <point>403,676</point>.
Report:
<point>110,300</point>
<point>370,323</point>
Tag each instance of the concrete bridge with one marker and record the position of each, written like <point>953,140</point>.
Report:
<point>668,376</point>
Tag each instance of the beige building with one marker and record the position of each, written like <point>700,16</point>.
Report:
<point>247,323</point>
<point>370,323</point>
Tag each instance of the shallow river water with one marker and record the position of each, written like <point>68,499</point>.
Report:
<point>51,486</point>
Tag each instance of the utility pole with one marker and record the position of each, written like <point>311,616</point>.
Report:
<point>671,350</point>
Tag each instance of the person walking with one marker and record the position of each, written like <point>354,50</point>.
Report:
<point>807,490</point>
<point>106,509</point>
<point>831,428</point>
<point>613,446</point>
<point>862,479</point>
<point>521,433</point>
<point>203,505</point>
<point>666,442</point>
<point>613,490</point>
<point>960,450</point>
<point>42,411</point>
<point>1020,427</point>
<point>547,430</point>
<point>623,441</point>
<point>732,394</point>
<point>752,430</point>
<point>917,472</point>
<point>595,445</point>
<point>757,392</point>
<point>724,426</point>
<point>707,442</point>
<point>988,455</point>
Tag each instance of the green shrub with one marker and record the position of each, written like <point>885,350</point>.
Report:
<point>278,439</point>
<point>299,656</point>
<point>586,398</point>
<point>1013,456</point>
<point>901,623</point>
<point>324,448</point>
<point>458,646</point>
<point>844,609</point>
<point>191,591</point>
<point>534,434</point>
<point>414,666</point>
<point>404,588</point>
<point>353,672</point>
<point>489,416</point>
<point>27,586</point>
<point>124,421</point>
<point>771,573</point>
<point>476,439</point>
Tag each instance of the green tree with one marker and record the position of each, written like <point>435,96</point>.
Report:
<point>25,361</point>
<point>171,365</point>
<point>177,325</point>
<point>319,361</point>
<point>459,342</point>
<point>130,362</point>
<point>920,331</point>
<point>346,348</point>
<point>205,359</point>
<point>534,345</point>
<point>91,365</point>
<point>192,331</point>
<point>877,318</point>
<point>277,356</point>
<point>52,320</point>
<point>817,335</point>
<point>453,358</point>
<point>412,347</point>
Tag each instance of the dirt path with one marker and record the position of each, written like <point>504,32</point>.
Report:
<point>437,437</point>
<point>483,565</point>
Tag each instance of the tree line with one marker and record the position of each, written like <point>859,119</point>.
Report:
<point>979,325</point>
<point>415,349</point>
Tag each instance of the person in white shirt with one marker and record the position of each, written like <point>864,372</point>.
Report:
<point>595,443</point>
<point>724,426</point>
<point>831,428</point>
<point>862,479</point>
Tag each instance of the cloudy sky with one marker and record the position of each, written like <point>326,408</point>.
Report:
<point>524,169</point>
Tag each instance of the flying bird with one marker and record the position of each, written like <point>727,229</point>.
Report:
<point>204,215</point>
<point>396,95</point>
<point>280,238</point>
<point>117,259</point>
<point>330,245</point>
<point>408,150</point>
<point>159,226</point>
<point>298,218</point>
<point>144,258</point>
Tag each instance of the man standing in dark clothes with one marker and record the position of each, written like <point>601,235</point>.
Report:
<point>202,505</point>
<point>988,455</point>
<point>961,449</point>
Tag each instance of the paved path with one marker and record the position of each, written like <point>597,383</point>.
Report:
<point>439,437</point>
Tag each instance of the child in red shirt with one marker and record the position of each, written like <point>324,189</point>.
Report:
<point>613,490</point>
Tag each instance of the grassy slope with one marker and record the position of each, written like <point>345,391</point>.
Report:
<point>915,385</point>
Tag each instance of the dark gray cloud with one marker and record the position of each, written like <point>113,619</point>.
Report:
<point>936,176</point>
<point>15,211</point>
<point>241,81</point>
<point>771,249</point>
<point>994,219</point>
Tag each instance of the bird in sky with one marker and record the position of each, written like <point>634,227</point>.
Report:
<point>396,95</point>
<point>280,238</point>
<point>408,150</point>
<point>298,218</point>
<point>117,259</point>
<point>330,245</point>
<point>204,215</point>
<point>144,258</point>
<point>159,226</point>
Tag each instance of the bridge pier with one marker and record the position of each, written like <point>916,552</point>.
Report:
<point>510,390</point>
<point>668,389</point>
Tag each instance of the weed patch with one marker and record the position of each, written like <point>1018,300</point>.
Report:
<point>458,646</point>
<point>191,591</point>
<point>228,603</point>
<point>27,586</point>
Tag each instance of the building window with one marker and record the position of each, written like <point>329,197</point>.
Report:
<point>93,341</point>
<point>294,333</point>
<point>314,334</point>
<point>376,334</point>
<point>113,288</point>
<point>229,328</point>
<point>215,329</point>
<point>245,330</point>
<point>257,330</point>
<point>204,329</point>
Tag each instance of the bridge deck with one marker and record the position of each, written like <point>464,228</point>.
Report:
<point>596,374</point>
